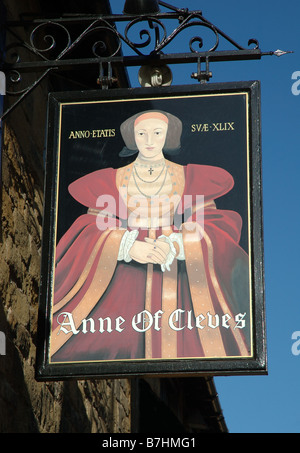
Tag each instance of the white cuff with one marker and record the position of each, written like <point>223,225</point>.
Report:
<point>127,242</point>
<point>174,237</point>
<point>177,237</point>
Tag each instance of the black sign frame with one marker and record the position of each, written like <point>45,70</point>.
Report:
<point>58,206</point>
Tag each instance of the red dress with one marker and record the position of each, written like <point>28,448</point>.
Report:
<point>105,309</point>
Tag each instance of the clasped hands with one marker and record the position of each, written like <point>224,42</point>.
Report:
<point>153,251</point>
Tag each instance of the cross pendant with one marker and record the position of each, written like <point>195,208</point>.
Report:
<point>151,170</point>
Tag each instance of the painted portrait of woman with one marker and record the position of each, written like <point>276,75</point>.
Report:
<point>153,258</point>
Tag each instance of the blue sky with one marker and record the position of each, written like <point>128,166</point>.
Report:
<point>267,404</point>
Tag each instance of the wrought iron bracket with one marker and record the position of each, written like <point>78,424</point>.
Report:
<point>52,46</point>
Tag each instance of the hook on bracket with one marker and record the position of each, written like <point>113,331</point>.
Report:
<point>106,81</point>
<point>202,76</point>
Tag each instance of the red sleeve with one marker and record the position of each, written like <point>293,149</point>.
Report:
<point>212,182</point>
<point>89,188</point>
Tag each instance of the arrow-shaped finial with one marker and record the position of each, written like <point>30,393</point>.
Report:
<point>279,52</point>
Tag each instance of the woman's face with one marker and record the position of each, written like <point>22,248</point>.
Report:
<point>150,136</point>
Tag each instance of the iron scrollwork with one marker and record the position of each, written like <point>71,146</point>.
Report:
<point>192,19</point>
<point>50,43</point>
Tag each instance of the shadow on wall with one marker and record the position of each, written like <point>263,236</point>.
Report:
<point>19,414</point>
<point>73,414</point>
<point>16,415</point>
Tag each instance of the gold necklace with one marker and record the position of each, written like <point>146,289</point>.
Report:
<point>150,166</point>
<point>152,180</point>
<point>150,196</point>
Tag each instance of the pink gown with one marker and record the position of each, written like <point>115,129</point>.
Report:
<point>200,308</point>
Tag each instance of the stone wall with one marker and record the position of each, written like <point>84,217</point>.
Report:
<point>25,404</point>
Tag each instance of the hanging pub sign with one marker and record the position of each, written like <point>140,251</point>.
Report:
<point>152,260</point>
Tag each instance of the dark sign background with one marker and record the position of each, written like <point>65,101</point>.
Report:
<point>214,133</point>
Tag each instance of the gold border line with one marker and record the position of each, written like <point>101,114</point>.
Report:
<point>243,93</point>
